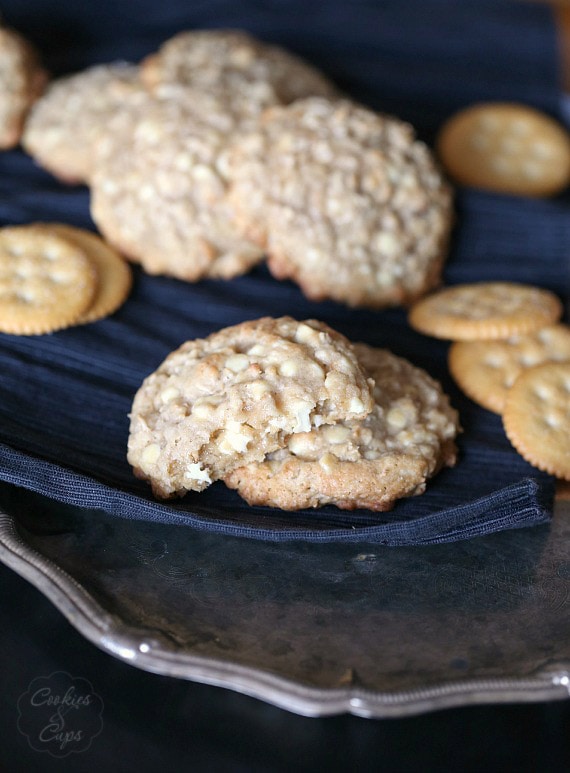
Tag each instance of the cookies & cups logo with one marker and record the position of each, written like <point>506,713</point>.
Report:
<point>60,714</point>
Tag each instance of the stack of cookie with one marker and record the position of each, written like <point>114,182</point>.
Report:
<point>292,415</point>
<point>219,149</point>
<point>512,356</point>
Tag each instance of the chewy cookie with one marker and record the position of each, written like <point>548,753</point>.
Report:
<point>508,148</point>
<point>537,417</point>
<point>242,74</point>
<point>158,196</point>
<point>485,311</point>
<point>114,276</point>
<point>346,202</point>
<point>227,400</point>
<point>486,370</point>
<point>46,281</point>
<point>22,80</point>
<point>66,122</point>
<point>407,438</point>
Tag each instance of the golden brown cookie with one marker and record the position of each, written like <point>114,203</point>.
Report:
<point>229,399</point>
<point>485,311</point>
<point>114,276</point>
<point>486,370</point>
<point>22,80</point>
<point>346,202</point>
<point>406,439</point>
<point>46,282</point>
<point>506,147</point>
<point>537,417</point>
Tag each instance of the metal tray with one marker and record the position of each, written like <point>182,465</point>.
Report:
<point>315,629</point>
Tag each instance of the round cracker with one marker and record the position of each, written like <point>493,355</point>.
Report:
<point>506,148</point>
<point>486,370</point>
<point>485,311</point>
<point>537,417</point>
<point>114,275</point>
<point>46,282</point>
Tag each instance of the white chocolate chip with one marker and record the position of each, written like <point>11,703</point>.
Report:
<point>289,368</point>
<point>336,434</point>
<point>195,472</point>
<point>356,405</point>
<point>306,334</point>
<point>257,350</point>
<point>300,444</point>
<point>386,243</point>
<point>397,418</point>
<point>150,455</point>
<point>236,438</point>
<point>302,414</point>
<point>168,394</point>
<point>328,461</point>
<point>258,389</point>
<point>204,407</point>
<point>237,363</point>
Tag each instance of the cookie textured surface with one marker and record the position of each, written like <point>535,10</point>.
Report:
<point>46,282</point>
<point>67,121</point>
<point>243,74</point>
<point>537,417</point>
<point>22,79</point>
<point>407,438</point>
<point>227,400</point>
<point>486,370</point>
<point>485,311</point>
<point>158,195</point>
<point>114,276</point>
<point>507,148</point>
<point>346,202</point>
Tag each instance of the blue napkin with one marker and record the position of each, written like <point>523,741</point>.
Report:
<point>65,397</point>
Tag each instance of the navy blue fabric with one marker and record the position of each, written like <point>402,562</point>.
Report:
<point>65,397</point>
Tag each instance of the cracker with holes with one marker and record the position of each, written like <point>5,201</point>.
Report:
<point>114,276</point>
<point>65,124</point>
<point>507,148</point>
<point>229,399</point>
<point>404,441</point>
<point>346,202</point>
<point>486,370</point>
<point>485,311</point>
<point>22,80</point>
<point>537,417</point>
<point>46,281</point>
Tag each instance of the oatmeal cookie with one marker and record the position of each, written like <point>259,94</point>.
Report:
<point>345,201</point>
<point>66,122</point>
<point>228,400</point>
<point>243,74</point>
<point>22,80</point>
<point>158,196</point>
<point>406,439</point>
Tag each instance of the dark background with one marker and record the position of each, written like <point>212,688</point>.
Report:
<point>421,61</point>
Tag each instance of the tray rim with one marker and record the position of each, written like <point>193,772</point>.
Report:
<point>152,651</point>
